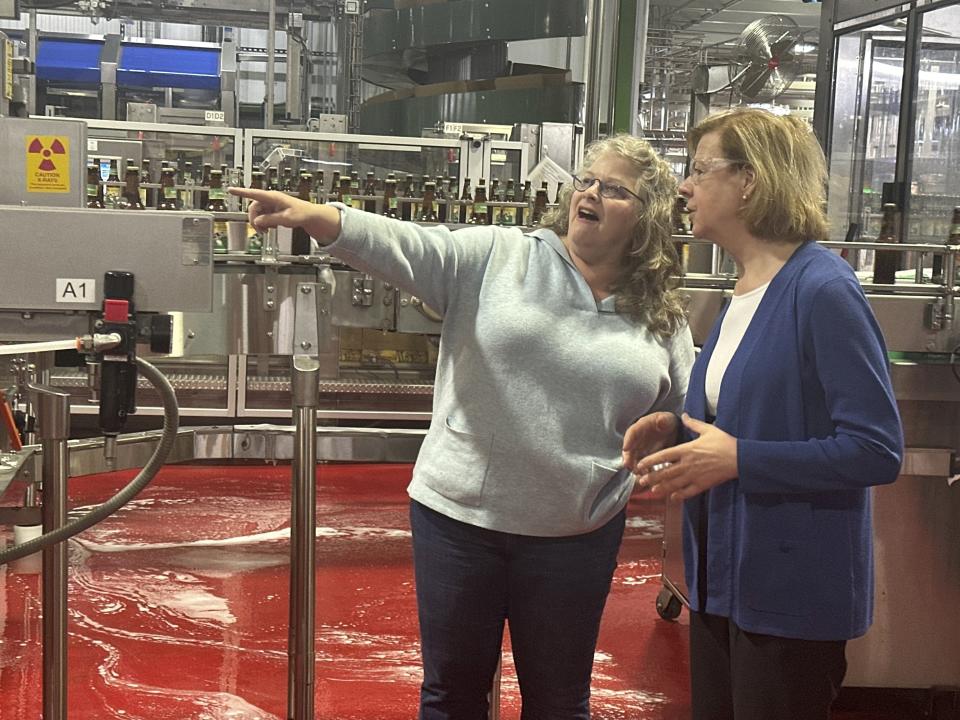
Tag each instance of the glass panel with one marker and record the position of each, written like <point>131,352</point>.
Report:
<point>283,157</point>
<point>935,179</point>
<point>505,185</point>
<point>863,150</point>
<point>113,146</point>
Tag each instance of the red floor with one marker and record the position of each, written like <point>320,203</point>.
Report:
<point>178,607</point>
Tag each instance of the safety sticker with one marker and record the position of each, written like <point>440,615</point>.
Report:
<point>48,163</point>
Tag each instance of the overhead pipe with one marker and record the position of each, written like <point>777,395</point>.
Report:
<point>591,65</point>
<point>613,21</point>
<point>271,68</point>
<point>639,64</point>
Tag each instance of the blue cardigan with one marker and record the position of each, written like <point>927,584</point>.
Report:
<point>788,548</point>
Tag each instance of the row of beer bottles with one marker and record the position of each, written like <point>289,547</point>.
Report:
<point>438,200</point>
<point>887,262</point>
<point>136,192</point>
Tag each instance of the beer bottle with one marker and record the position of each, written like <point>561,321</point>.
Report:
<point>318,190</point>
<point>343,193</point>
<point>300,240</point>
<point>390,202</point>
<point>676,215</point>
<point>885,262</point>
<point>215,203</point>
<point>421,188</point>
<point>355,199</point>
<point>254,238</point>
<point>147,196</point>
<point>130,199</point>
<point>370,193</point>
<point>479,216</point>
<point>441,198</point>
<point>407,193</point>
<point>167,197</point>
<point>232,178</point>
<point>466,200</point>
<point>205,183</point>
<point>94,188</point>
<point>335,185</point>
<point>286,179</point>
<point>952,239</point>
<point>556,198</point>
<point>428,210</point>
<point>113,191</point>
<point>508,215</point>
<point>493,213</point>
<point>189,182</point>
<point>539,204</point>
<point>523,212</point>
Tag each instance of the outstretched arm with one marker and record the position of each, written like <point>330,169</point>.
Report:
<point>270,209</point>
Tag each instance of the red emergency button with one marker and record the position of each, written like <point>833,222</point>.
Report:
<point>116,311</point>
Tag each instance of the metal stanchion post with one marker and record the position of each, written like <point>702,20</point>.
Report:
<point>52,408</point>
<point>494,711</point>
<point>306,389</point>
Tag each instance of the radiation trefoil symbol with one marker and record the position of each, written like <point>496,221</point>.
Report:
<point>56,148</point>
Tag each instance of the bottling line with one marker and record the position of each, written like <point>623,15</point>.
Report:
<point>252,330</point>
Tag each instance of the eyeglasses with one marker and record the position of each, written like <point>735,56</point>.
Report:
<point>607,190</point>
<point>702,167</point>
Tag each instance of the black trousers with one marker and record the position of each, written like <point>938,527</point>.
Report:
<point>737,675</point>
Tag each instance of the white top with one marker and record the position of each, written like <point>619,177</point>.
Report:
<point>735,324</point>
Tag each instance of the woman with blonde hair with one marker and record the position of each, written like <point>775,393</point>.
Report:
<point>554,341</point>
<point>790,418</point>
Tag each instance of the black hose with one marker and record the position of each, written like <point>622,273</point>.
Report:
<point>133,488</point>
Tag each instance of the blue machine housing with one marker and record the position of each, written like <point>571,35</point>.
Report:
<point>168,66</point>
<point>140,65</point>
<point>73,61</point>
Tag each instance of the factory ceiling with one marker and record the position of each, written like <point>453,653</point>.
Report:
<point>720,21</point>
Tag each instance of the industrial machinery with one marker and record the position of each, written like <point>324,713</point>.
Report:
<point>274,330</point>
<point>235,361</point>
<point>97,77</point>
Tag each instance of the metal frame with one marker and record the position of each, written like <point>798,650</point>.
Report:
<point>509,146</point>
<point>252,135</point>
<point>171,129</point>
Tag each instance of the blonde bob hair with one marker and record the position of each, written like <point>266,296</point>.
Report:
<point>646,285</point>
<point>790,174</point>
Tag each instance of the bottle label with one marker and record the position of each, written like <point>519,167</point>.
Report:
<point>170,193</point>
<point>91,189</point>
<point>347,200</point>
<point>394,203</point>
<point>954,231</point>
<point>479,208</point>
<point>217,194</point>
<point>219,237</point>
<point>508,216</point>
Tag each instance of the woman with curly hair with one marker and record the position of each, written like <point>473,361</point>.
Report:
<point>554,341</point>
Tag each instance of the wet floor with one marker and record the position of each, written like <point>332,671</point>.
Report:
<point>178,607</point>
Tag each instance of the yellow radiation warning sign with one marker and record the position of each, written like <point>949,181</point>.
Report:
<point>48,163</point>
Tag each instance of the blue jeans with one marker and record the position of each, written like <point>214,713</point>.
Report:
<point>551,589</point>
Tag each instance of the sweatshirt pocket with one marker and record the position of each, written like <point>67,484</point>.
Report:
<point>608,489</point>
<point>460,465</point>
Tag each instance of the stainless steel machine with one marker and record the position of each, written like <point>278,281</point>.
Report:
<point>264,334</point>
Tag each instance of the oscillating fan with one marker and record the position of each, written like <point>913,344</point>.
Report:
<point>766,59</point>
